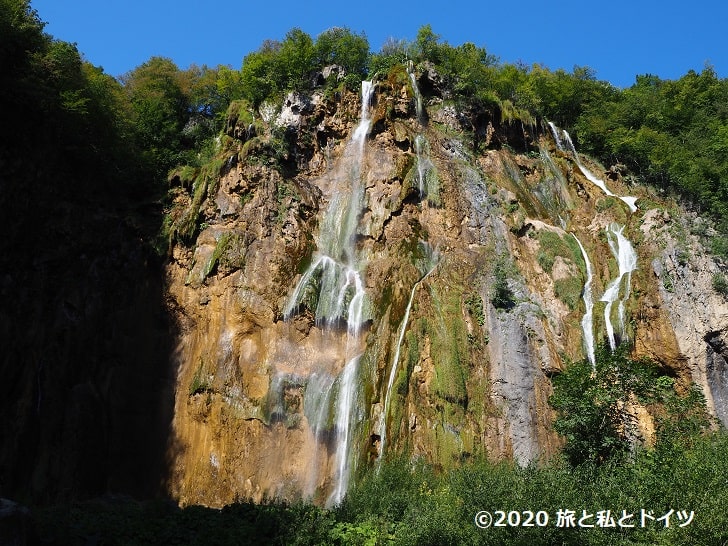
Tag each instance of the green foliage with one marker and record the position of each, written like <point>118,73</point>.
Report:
<point>552,244</point>
<point>569,291</point>
<point>474,306</point>
<point>593,406</point>
<point>393,53</point>
<point>160,110</point>
<point>342,47</point>
<point>409,503</point>
<point>720,284</point>
<point>278,67</point>
<point>671,133</point>
<point>260,75</point>
<point>502,296</point>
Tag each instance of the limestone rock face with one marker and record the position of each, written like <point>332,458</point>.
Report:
<point>473,297</point>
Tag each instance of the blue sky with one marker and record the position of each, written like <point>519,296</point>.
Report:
<point>618,39</point>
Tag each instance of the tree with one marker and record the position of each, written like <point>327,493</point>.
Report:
<point>340,46</point>
<point>160,110</point>
<point>593,406</point>
<point>296,59</point>
<point>261,75</point>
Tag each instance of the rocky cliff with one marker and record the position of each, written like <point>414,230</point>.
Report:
<point>479,243</point>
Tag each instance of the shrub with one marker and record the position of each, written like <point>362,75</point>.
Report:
<point>720,284</point>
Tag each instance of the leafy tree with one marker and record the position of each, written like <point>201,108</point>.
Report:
<point>296,59</point>
<point>341,46</point>
<point>160,110</point>
<point>593,406</point>
<point>394,52</point>
<point>260,75</point>
<point>426,45</point>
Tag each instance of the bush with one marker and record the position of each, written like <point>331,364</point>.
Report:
<point>720,284</point>
<point>593,406</point>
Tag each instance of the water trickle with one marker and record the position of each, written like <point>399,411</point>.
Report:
<point>426,179</point>
<point>587,321</point>
<point>426,267</point>
<point>628,200</point>
<point>424,165</point>
<point>627,261</point>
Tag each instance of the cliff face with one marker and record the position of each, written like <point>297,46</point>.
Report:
<point>308,352</point>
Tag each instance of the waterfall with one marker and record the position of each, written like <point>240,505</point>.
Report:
<point>424,165</point>
<point>628,200</point>
<point>425,183</point>
<point>430,263</point>
<point>555,132</point>
<point>627,261</point>
<point>344,405</point>
<point>587,322</point>
<point>418,96</point>
<point>334,276</point>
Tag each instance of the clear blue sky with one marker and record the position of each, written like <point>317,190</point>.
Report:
<point>618,39</point>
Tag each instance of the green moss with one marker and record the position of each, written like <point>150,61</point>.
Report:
<point>220,248</point>
<point>240,112</point>
<point>606,203</point>
<point>569,291</point>
<point>200,381</point>
<point>449,346</point>
<point>552,244</point>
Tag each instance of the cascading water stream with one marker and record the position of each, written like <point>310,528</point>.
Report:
<point>422,147</point>
<point>587,321</point>
<point>423,163</point>
<point>430,264</point>
<point>628,200</point>
<point>334,271</point>
<point>555,132</point>
<point>627,261</point>
<point>418,96</point>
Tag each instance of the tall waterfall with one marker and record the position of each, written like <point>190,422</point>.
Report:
<point>334,276</point>
<point>622,251</point>
<point>587,321</point>
<point>627,261</point>
<point>429,264</point>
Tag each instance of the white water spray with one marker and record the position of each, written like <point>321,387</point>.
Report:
<point>335,275</point>
<point>587,321</point>
<point>627,261</point>
<point>555,132</point>
<point>418,96</point>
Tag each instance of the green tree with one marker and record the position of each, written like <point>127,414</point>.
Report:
<point>593,406</point>
<point>296,59</point>
<point>160,110</point>
<point>261,75</point>
<point>340,46</point>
